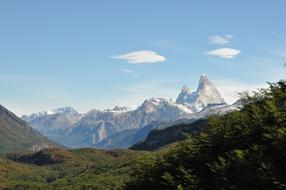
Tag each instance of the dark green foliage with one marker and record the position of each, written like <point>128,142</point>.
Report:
<point>43,157</point>
<point>242,150</point>
<point>59,169</point>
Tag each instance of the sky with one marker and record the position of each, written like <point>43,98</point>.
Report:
<point>98,54</point>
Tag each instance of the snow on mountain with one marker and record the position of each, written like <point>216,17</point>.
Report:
<point>64,110</point>
<point>53,124</point>
<point>184,95</point>
<point>129,137</point>
<point>34,116</point>
<point>119,109</point>
<point>97,125</point>
<point>205,94</point>
<point>67,126</point>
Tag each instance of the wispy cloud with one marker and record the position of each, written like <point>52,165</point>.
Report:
<point>230,90</point>
<point>141,57</point>
<point>216,39</point>
<point>227,53</point>
<point>127,71</point>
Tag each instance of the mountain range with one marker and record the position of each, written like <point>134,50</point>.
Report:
<point>122,126</point>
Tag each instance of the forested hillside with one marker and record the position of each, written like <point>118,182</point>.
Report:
<point>242,150</point>
<point>59,169</point>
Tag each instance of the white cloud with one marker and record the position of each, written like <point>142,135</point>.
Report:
<point>141,57</point>
<point>227,53</point>
<point>127,71</point>
<point>220,39</point>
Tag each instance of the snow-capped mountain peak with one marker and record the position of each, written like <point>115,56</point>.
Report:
<point>203,81</point>
<point>120,109</point>
<point>205,94</point>
<point>64,110</point>
<point>186,89</point>
<point>96,125</point>
<point>184,95</point>
<point>163,105</point>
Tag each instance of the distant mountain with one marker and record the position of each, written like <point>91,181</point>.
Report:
<point>121,139</point>
<point>17,135</point>
<point>162,134</point>
<point>205,94</point>
<point>97,125</point>
<point>54,124</point>
<point>105,129</point>
<point>64,110</point>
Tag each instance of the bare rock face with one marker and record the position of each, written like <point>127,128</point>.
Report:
<point>38,147</point>
<point>97,125</point>
<point>184,95</point>
<point>72,129</point>
<point>206,94</point>
<point>54,124</point>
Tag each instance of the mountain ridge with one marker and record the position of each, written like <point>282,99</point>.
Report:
<point>91,128</point>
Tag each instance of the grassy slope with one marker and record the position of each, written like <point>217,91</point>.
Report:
<point>16,134</point>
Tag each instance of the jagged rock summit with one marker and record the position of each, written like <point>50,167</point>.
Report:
<point>184,95</point>
<point>72,129</point>
<point>206,94</point>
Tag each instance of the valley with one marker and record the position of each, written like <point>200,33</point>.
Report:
<point>250,140</point>
<point>142,95</point>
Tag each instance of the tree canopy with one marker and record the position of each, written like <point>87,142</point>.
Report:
<point>244,149</point>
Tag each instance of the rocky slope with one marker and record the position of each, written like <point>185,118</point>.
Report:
<point>97,125</point>
<point>54,124</point>
<point>97,128</point>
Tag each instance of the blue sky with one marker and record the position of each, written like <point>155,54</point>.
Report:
<point>98,54</point>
